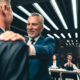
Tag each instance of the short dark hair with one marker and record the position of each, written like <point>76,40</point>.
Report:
<point>69,54</point>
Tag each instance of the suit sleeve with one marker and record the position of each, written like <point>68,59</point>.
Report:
<point>45,50</point>
<point>13,61</point>
<point>50,63</point>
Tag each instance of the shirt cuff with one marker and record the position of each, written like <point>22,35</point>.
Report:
<point>32,50</point>
<point>64,65</point>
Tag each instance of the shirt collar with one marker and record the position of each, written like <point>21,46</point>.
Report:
<point>2,29</point>
<point>34,38</point>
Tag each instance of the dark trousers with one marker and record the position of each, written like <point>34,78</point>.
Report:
<point>55,75</point>
<point>67,75</point>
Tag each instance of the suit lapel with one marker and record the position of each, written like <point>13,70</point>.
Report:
<point>1,31</point>
<point>38,43</point>
<point>26,42</point>
<point>40,40</point>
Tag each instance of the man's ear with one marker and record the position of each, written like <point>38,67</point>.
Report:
<point>42,28</point>
<point>4,9</point>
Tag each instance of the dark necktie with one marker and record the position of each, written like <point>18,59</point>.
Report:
<point>32,41</point>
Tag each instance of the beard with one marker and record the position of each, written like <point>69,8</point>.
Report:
<point>33,34</point>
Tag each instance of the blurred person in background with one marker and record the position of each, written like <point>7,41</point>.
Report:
<point>69,64</point>
<point>55,65</point>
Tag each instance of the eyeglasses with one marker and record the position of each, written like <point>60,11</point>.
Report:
<point>34,24</point>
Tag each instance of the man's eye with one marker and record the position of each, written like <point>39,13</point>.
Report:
<point>34,24</point>
<point>28,23</point>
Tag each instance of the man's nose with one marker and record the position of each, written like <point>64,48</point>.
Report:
<point>30,26</point>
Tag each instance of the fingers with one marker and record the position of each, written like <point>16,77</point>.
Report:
<point>18,37</point>
<point>4,35</point>
<point>9,35</point>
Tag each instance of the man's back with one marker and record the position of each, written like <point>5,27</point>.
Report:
<point>13,60</point>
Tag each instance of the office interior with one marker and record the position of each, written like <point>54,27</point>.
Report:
<point>61,22</point>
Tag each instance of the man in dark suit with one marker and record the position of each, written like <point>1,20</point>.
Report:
<point>41,47</point>
<point>69,65</point>
<point>13,55</point>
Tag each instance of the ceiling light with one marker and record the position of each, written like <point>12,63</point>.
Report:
<point>24,10</point>
<point>63,35</point>
<point>76,35</point>
<point>57,10</point>
<point>28,14</point>
<point>45,15</point>
<point>72,41</point>
<point>76,40</point>
<point>68,41</point>
<point>69,35</point>
<point>74,7</point>
<point>66,44</point>
<point>56,36</point>
<point>19,17</point>
<point>50,36</point>
<point>46,27</point>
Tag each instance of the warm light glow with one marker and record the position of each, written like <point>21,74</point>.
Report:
<point>69,35</point>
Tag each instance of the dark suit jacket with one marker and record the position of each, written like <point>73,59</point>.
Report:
<point>38,69</point>
<point>13,60</point>
<point>57,63</point>
<point>66,60</point>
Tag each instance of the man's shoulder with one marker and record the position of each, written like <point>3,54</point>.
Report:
<point>73,60</point>
<point>49,39</point>
<point>15,43</point>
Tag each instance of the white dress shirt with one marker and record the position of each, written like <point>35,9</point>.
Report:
<point>32,48</point>
<point>54,65</point>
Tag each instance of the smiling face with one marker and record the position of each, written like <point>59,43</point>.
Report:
<point>69,57</point>
<point>34,27</point>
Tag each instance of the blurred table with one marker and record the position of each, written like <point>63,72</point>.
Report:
<point>64,71</point>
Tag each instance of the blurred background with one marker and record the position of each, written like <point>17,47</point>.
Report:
<point>61,23</point>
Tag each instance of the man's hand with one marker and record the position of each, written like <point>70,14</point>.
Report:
<point>67,63</point>
<point>9,35</point>
<point>49,67</point>
<point>71,63</point>
<point>56,67</point>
